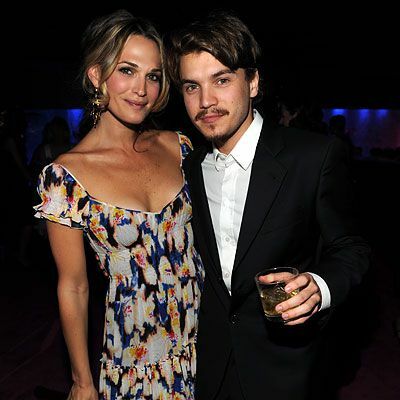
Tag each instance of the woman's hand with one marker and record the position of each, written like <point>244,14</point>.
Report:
<point>83,393</point>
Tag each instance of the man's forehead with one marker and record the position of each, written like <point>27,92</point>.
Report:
<point>202,64</point>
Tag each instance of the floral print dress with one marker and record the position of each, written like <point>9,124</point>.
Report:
<point>155,279</point>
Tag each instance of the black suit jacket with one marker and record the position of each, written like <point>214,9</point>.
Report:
<point>298,211</point>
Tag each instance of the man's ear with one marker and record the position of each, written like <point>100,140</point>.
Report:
<point>94,75</point>
<point>254,85</point>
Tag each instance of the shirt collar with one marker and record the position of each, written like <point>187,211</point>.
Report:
<point>245,149</point>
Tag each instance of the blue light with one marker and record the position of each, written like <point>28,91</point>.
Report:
<point>338,111</point>
<point>382,113</point>
<point>363,113</point>
<point>74,117</point>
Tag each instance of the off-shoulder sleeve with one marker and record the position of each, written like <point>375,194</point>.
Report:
<point>64,200</point>
<point>186,145</point>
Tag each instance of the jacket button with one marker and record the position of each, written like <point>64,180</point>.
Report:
<point>220,280</point>
<point>234,318</point>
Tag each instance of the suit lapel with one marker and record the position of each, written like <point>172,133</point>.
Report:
<point>266,178</point>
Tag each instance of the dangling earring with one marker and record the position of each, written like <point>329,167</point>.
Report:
<point>95,111</point>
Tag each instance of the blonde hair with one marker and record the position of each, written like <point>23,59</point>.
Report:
<point>102,44</point>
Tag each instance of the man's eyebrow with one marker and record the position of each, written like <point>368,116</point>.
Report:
<point>183,81</point>
<point>223,72</point>
<point>215,75</point>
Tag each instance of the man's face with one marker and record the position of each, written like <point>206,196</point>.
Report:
<point>217,99</point>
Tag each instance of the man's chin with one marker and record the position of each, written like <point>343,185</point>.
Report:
<point>217,140</point>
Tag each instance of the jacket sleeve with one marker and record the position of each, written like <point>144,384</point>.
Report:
<point>345,254</point>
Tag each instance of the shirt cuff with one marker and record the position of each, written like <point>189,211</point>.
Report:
<point>325,292</point>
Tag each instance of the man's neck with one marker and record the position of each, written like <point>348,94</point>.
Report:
<point>230,144</point>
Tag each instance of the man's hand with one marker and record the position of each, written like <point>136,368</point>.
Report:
<point>303,305</point>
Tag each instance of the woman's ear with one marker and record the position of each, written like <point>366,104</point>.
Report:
<point>94,75</point>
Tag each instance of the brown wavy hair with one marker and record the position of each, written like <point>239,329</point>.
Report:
<point>220,33</point>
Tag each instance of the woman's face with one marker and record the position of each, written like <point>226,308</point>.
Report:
<point>134,85</point>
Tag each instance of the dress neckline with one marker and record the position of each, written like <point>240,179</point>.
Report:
<point>133,210</point>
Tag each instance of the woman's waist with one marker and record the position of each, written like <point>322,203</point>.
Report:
<point>178,359</point>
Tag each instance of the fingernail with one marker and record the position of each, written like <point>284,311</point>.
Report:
<point>285,316</point>
<point>279,308</point>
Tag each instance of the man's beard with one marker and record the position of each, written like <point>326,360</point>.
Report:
<point>221,139</point>
<point>218,139</point>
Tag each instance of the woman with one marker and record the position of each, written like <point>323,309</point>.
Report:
<point>123,188</point>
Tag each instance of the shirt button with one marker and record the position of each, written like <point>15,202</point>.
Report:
<point>227,274</point>
<point>234,318</point>
<point>227,239</point>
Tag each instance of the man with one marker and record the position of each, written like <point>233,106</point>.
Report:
<point>262,197</point>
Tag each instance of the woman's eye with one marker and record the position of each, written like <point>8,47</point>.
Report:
<point>154,77</point>
<point>126,70</point>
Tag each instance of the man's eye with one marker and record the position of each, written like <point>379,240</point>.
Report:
<point>190,88</point>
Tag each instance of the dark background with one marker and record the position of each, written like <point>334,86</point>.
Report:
<point>337,56</point>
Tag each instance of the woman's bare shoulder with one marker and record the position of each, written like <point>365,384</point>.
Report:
<point>76,157</point>
<point>170,141</point>
<point>164,137</point>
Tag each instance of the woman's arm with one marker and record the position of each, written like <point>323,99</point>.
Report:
<point>73,291</point>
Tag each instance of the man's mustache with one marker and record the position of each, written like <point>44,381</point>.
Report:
<point>214,111</point>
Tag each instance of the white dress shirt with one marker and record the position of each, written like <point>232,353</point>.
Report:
<point>226,180</point>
